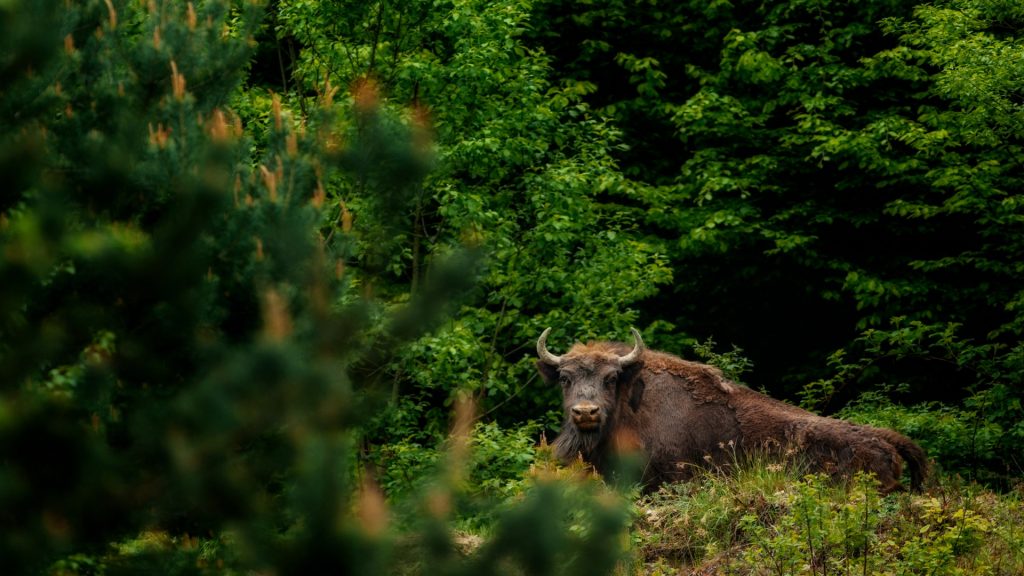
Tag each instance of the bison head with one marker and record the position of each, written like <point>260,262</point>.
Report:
<point>594,378</point>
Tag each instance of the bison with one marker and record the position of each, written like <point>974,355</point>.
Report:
<point>680,415</point>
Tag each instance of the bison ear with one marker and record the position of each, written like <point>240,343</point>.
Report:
<point>548,372</point>
<point>633,385</point>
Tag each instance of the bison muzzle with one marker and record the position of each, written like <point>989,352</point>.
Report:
<point>681,415</point>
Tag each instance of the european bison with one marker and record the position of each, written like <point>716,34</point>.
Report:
<point>681,414</point>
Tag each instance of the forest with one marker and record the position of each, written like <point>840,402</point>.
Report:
<point>273,272</point>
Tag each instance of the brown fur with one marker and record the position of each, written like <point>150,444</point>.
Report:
<point>681,414</point>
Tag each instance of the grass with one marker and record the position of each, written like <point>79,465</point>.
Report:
<point>768,518</point>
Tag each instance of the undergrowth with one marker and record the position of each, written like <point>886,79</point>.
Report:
<point>762,517</point>
<point>768,518</point>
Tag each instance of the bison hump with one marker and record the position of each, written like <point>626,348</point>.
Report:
<point>706,383</point>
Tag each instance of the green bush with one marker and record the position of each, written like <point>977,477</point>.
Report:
<point>497,467</point>
<point>961,441</point>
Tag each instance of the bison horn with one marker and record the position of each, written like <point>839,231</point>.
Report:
<point>542,350</point>
<point>638,350</point>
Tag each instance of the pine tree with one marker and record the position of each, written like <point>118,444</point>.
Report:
<point>186,357</point>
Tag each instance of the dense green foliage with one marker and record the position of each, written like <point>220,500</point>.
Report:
<point>254,257</point>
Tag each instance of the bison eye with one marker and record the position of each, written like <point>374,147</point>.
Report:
<point>564,380</point>
<point>610,379</point>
